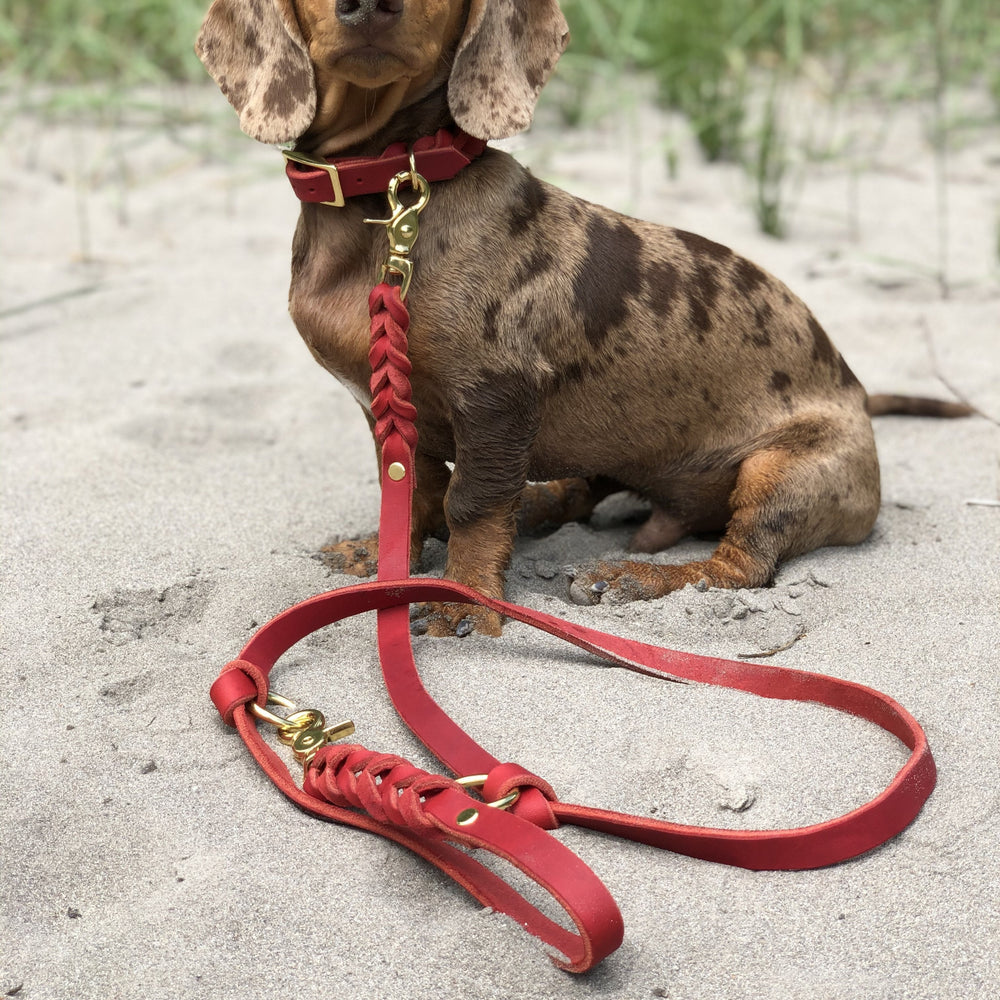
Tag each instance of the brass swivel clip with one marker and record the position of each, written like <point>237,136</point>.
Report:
<point>403,226</point>
<point>305,730</point>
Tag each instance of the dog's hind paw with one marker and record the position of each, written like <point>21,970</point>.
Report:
<point>584,589</point>
<point>617,582</point>
<point>548,505</point>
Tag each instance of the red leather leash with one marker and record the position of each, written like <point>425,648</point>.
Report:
<point>431,814</point>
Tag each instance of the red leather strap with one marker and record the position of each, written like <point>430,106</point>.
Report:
<point>387,795</point>
<point>805,847</point>
<point>438,158</point>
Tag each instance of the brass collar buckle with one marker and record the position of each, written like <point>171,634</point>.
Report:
<point>312,161</point>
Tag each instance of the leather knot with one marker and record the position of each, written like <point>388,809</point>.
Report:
<point>240,683</point>
<point>533,802</point>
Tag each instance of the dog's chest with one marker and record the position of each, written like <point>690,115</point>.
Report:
<point>334,264</point>
<point>334,325</point>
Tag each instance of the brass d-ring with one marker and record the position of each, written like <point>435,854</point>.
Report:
<point>477,781</point>
<point>279,722</point>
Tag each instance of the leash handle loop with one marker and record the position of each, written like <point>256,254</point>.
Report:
<point>386,795</point>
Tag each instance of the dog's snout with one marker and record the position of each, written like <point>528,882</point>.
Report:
<point>368,13</point>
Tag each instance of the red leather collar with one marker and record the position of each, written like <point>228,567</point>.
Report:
<point>332,181</point>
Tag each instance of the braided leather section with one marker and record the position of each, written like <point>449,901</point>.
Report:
<point>387,787</point>
<point>390,382</point>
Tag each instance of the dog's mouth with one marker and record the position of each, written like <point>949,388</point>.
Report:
<point>368,65</point>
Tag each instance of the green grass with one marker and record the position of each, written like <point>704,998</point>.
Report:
<point>700,51</point>
<point>119,43</point>
<point>714,60</point>
<point>706,54</point>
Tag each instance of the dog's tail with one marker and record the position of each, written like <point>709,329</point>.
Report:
<point>916,406</point>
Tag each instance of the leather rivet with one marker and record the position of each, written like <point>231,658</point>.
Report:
<point>467,817</point>
<point>397,471</point>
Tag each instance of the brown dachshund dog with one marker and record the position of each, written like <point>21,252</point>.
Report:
<point>560,351</point>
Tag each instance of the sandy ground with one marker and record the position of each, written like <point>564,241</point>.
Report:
<point>172,458</point>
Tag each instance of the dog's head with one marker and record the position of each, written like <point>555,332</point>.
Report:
<point>346,66</point>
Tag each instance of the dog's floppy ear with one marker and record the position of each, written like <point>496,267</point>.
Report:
<point>506,54</point>
<point>255,52</point>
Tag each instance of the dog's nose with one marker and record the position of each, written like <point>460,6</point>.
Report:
<point>368,13</point>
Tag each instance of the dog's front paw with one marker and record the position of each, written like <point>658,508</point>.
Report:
<point>353,556</point>
<point>448,619</point>
<point>617,582</point>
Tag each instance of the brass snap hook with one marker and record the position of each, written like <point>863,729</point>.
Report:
<point>305,731</point>
<point>402,226</point>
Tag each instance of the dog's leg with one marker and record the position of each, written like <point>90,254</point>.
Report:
<point>787,501</point>
<point>478,555</point>
<point>494,428</point>
<point>359,556</point>
<point>561,501</point>
<point>480,542</point>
